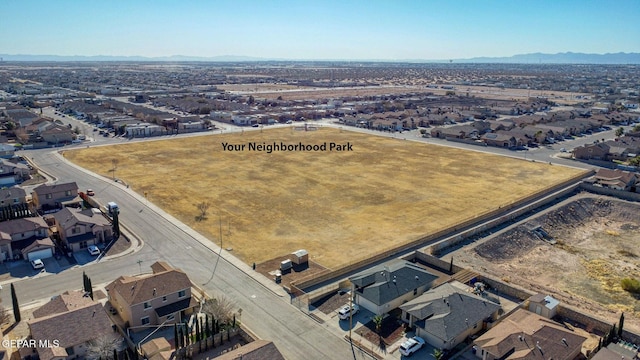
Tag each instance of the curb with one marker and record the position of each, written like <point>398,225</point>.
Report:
<point>230,259</point>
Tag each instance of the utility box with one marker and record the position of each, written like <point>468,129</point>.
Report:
<point>112,208</point>
<point>300,257</point>
<point>286,265</point>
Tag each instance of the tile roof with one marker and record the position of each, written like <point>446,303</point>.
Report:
<point>72,327</point>
<point>525,335</point>
<point>12,193</point>
<point>16,226</point>
<point>50,188</point>
<point>38,244</point>
<point>138,289</point>
<point>67,301</point>
<point>68,217</point>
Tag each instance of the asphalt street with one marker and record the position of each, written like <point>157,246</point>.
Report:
<point>266,313</point>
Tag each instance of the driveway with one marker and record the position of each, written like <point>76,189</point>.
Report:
<point>11,270</point>
<point>83,257</point>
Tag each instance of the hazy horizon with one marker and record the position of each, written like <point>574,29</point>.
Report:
<point>324,30</point>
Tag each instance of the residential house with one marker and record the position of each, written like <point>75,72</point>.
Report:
<point>524,335</point>
<point>146,300</point>
<point>446,315</point>
<point>21,116</point>
<point>19,234</point>
<point>77,229</point>
<point>243,120</point>
<point>48,197</point>
<point>617,351</point>
<point>616,179</point>
<point>555,132</point>
<point>458,132</point>
<point>12,196</point>
<point>597,151</point>
<point>143,130</point>
<point>499,140</point>
<point>7,151</point>
<point>74,320</point>
<point>387,286</point>
<point>191,124</point>
<point>12,173</point>
<point>57,135</point>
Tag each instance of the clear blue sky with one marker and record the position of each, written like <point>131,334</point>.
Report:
<point>326,29</point>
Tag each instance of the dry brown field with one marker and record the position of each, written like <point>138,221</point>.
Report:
<point>294,92</point>
<point>340,206</point>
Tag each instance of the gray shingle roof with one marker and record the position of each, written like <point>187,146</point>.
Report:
<point>391,280</point>
<point>447,311</point>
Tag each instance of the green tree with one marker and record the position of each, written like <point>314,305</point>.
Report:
<point>16,306</point>
<point>619,131</point>
<point>437,354</point>
<point>377,320</point>
<point>620,325</point>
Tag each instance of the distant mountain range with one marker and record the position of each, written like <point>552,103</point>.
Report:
<point>561,58</point>
<point>535,58</point>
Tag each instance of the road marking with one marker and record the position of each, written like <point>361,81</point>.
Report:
<point>253,296</point>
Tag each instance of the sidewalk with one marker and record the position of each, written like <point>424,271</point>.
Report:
<point>225,255</point>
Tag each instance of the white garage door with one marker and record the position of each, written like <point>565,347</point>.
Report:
<point>40,254</point>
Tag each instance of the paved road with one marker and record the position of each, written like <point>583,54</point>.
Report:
<point>270,316</point>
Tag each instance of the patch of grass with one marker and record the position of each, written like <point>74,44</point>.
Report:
<point>631,285</point>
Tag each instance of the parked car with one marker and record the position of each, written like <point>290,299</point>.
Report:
<point>90,192</point>
<point>347,311</point>
<point>411,346</point>
<point>93,250</point>
<point>37,264</point>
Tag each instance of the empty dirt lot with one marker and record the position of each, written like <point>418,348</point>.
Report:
<point>340,206</point>
<point>294,92</point>
<point>598,244</point>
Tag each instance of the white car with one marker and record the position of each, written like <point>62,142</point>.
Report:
<point>37,264</point>
<point>347,311</point>
<point>93,250</point>
<point>411,345</point>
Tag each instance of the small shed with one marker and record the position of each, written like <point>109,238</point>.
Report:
<point>300,257</point>
<point>543,305</point>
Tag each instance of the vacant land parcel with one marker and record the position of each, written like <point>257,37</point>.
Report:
<point>375,194</point>
<point>597,245</point>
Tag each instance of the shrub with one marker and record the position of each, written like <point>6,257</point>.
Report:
<point>630,285</point>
